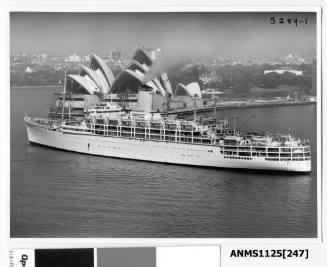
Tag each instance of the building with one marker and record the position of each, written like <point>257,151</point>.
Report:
<point>135,87</point>
<point>153,52</point>
<point>86,58</point>
<point>29,70</point>
<point>281,71</point>
<point>73,58</point>
<point>212,94</point>
<point>127,101</point>
<point>40,59</point>
<point>71,105</point>
<point>192,89</point>
<point>116,55</point>
<point>98,78</point>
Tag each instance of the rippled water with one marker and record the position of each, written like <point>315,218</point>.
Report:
<point>62,194</point>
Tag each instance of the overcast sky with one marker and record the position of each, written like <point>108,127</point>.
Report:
<point>193,34</point>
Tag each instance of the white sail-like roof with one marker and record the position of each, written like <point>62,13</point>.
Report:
<point>139,69</point>
<point>86,82</point>
<point>159,87</point>
<point>134,69</point>
<point>181,89</point>
<point>166,83</point>
<point>137,74</point>
<point>102,78</point>
<point>97,62</point>
<point>127,80</point>
<point>155,84</point>
<point>132,65</point>
<point>97,77</point>
<point>142,57</point>
<point>192,89</point>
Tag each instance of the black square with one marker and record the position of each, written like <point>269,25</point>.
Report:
<point>64,257</point>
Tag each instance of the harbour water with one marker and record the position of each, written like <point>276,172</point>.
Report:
<point>62,194</point>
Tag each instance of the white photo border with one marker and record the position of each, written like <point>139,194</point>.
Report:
<point>123,242</point>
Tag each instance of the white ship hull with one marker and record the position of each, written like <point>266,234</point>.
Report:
<point>157,151</point>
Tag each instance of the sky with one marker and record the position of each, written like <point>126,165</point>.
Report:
<point>204,34</point>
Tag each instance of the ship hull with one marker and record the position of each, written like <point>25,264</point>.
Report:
<point>156,151</point>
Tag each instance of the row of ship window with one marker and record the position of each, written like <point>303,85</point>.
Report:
<point>263,149</point>
<point>140,129</point>
<point>144,125</point>
<point>143,130</point>
<point>269,159</point>
<point>137,130</point>
<point>287,159</point>
<point>244,158</point>
<point>264,154</point>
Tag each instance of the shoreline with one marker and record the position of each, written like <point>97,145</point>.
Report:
<point>35,86</point>
<point>267,104</point>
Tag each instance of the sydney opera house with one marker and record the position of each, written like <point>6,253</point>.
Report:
<point>99,79</point>
<point>138,81</point>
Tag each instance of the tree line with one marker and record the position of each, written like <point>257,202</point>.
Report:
<point>241,78</point>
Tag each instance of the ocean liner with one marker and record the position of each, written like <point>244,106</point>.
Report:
<point>109,131</point>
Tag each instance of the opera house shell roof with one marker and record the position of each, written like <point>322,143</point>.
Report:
<point>99,79</point>
<point>192,89</point>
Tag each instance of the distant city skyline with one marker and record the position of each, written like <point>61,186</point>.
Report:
<point>107,54</point>
<point>179,35</point>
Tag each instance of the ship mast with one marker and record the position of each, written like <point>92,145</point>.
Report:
<point>253,123</point>
<point>194,115</point>
<point>64,96</point>
<point>234,120</point>
<point>215,108</point>
<point>69,111</point>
